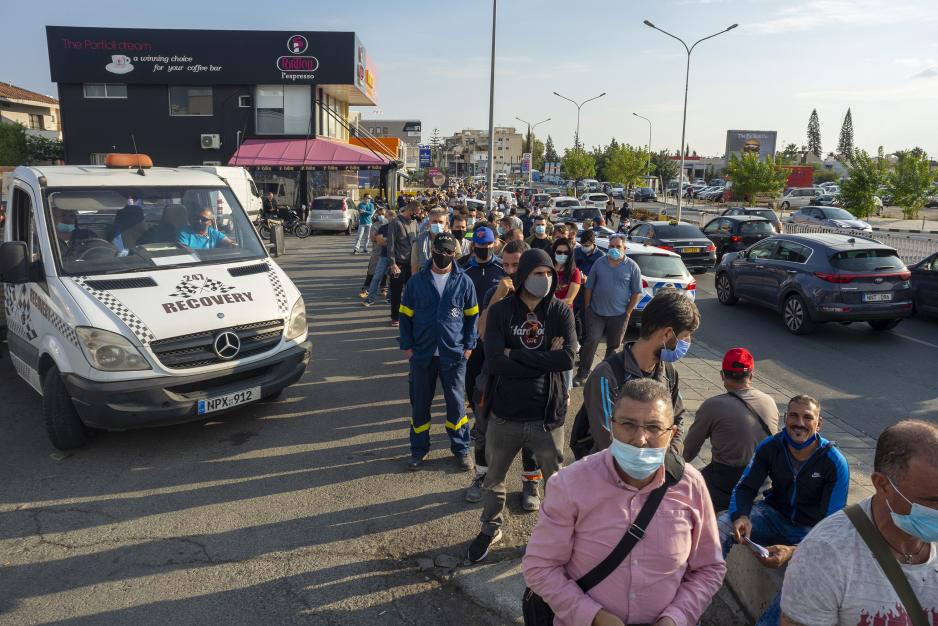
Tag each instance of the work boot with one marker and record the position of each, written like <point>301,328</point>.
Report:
<point>464,461</point>
<point>530,499</point>
<point>474,492</point>
<point>479,548</point>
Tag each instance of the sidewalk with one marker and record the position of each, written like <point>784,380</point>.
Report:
<point>499,586</point>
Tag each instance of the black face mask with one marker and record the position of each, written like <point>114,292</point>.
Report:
<point>483,253</point>
<point>442,261</point>
<point>459,234</point>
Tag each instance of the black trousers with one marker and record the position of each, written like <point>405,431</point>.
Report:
<point>721,480</point>
<point>397,288</point>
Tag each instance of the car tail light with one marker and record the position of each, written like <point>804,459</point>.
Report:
<point>691,286</point>
<point>736,239</point>
<point>644,284</point>
<point>711,248</point>
<point>840,279</point>
<point>669,248</point>
<point>847,278</point>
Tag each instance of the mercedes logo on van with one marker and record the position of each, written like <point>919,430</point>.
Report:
<point>227,345</point>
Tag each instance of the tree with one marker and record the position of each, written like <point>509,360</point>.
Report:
<point>599,158</point>
<point>577,164</point>
<point>845,144</point>
<point>910,183</point>
<point>814,134</point>
<point>751,176</point>
<point>789,156</point>
<point>823,175</point>
<point>858,191</point>
<point>626,164</point>
<point>12,144</point>
<point>665,167</point>
<point>537,155</point>
<point>40,148</point>
<point>550,152</point>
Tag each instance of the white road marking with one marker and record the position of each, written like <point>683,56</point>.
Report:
<point>924,343</point>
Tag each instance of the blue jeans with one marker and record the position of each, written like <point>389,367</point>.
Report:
<point>380,270</point>
<point>769,528</point>
<point>361,242</point>
<point>423,376</point>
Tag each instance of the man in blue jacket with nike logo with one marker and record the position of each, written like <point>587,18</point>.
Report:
<point>810,480</point>
<point>438,332</point>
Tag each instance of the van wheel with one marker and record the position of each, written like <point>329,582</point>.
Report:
<point>65,428</point>
<point>725,292</point>
<point>796,317</point>
<point>881,325</point>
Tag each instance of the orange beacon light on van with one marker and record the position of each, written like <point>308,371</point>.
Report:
<point>128,161</point>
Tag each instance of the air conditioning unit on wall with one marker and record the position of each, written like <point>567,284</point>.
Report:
<point>211,142</point>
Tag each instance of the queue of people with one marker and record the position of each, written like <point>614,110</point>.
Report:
<point>632,533</point>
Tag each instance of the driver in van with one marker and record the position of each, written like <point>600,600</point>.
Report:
<point>64,223</point>
<point>201,234</point>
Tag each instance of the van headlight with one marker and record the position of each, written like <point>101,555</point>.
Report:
<point>296,323</point>
<point>109,351</point>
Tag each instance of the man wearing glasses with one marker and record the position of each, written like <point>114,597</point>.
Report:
<point>202,235</point>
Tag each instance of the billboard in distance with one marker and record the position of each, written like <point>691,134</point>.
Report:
<point>761,142</point>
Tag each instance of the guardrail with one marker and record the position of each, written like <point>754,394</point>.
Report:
<point>911,248</point>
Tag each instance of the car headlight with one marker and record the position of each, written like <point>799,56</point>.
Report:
<point>109,351</point>
<point>296,323</point>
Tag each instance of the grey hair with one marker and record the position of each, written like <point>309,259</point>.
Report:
<point>615,236</point>
<point>647,391</point>
<point>438,213</point>
<point>900,443</point>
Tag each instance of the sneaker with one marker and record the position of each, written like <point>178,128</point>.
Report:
<point>530,498</point>
<point>354,252</point>
<point>474,492</point>
<point>368,302</point>
<point>415,463</point>
<point>464,461</point>
<point>363,294</point>
<point>479,548</point>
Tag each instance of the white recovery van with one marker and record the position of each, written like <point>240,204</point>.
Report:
<point>135,298</point>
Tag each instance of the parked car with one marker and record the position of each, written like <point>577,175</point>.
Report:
<point>617,191</point>
<point>832,217</point>
<point>815,278</point>
<point>696,250</point>
<point>553,192</point>
<point>717,182</point>
<point>645,194</point>
<point>925,285</point>
<point>581,215</point>
<point>714,194</point>
<point>826,199</point>
<point>737,232</point>
<point>597,200</point>
<point>931,202</point>
<point>768,214</point>
<point>333,213</point>
<point>559,204</point>
<point>797,198</point>
<point>660,269</point>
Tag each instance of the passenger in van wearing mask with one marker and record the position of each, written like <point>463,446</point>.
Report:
<point>202,235</point>
<point>64,223</point>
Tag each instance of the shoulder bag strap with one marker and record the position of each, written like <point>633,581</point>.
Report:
<point>754,414</point>
<point>634,534</point>
<point>877,545</point>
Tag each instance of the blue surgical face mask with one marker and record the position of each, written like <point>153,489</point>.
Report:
<point>64,228</point>
<point>436,229</point>
<point>615,254</point>
<point>672,355</point>
<point>639,463</point>
<point>500,230</point>
<point>921,522</point>
<point>561,258</point>
<point>471,222</point>
<point>799,446</point>
<point>540,229</point>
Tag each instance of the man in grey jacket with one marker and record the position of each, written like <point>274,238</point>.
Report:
<point>402,232</point>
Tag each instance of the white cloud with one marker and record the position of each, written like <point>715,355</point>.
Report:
<point>931,72</point>
<point>813,14</point>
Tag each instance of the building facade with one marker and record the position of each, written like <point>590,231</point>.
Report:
<point>408,131</point>
<point>39,114</point>
<point>467,150</point>
<point>276,102</point>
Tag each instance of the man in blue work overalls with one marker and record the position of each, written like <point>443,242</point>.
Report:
<point>438,332</point>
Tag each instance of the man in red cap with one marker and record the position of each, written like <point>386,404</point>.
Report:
<point>735,422</point>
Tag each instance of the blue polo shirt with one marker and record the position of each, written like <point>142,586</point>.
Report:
<point>611,288</point>
<point>194,240</point>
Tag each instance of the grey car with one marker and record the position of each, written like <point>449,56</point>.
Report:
<point>333,213</point>
<point>832,217</point>
<point>816,278</point>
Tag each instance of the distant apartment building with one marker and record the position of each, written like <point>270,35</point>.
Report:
<point>468,149</point>
<point>38,113</point>
<point>408,131</point>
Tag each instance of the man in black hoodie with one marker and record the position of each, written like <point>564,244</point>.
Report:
<point>529,344</point>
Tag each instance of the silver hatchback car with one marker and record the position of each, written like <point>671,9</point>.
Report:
<point>333,213</point>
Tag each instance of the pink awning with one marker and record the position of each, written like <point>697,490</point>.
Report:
<point>300,152</point>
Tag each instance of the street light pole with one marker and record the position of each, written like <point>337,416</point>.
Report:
<point>530,149</point>
<point>648,164</point>
<point>680,184</point>
<point>490,172</point>
<point>579,106</point>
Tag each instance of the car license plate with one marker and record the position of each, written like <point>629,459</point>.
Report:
<point>691,250</point>
<point>877,297</point>
<point>227,401</point>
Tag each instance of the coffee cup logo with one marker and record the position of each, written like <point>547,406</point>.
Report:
<point>120,64</point>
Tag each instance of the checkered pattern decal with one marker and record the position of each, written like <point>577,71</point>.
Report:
<point>115,306</point>
<point>189,287</point>
<point>17,309</point>
<point>279,292</point>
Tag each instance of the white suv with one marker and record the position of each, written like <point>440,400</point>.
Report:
<point>594,200</point>
<point>797,198</point>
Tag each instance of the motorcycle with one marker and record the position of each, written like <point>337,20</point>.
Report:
<point>291,224</point>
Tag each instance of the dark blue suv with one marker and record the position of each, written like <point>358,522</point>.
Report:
<point>814,278</point>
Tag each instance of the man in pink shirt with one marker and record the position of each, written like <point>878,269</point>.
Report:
<point>673,572</point>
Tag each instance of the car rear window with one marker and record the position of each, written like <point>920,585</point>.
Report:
<point>678,231</point>
<point>598,197</point>
<point>328,204</point>
<point>867,260</point>
<point>756,228</point>
<point>566,203</point>
<point>660,265</point>
<point>767,214</point>
<point>585,214</point>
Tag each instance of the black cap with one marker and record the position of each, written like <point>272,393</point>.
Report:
<point>444,242</point>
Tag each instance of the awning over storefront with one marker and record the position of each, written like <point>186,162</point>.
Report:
<point>305,154</point>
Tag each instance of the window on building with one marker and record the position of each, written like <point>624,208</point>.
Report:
<point>105,90</point>
<point>283,109</point>
<point>189,100</point>
<point>36,122</point>
<point>245,102</point>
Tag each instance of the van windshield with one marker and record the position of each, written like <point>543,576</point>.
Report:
<point>111,230</point>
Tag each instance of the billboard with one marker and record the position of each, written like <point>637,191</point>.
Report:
<point>761,142</point>
<point>424,158</point>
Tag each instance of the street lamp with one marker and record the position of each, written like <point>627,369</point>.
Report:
<point>531,128</point>
<point>680,184</point>
<point>648,166</point>
<point>490,170</point>
<point>579,105</point>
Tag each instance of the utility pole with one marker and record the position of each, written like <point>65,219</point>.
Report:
<point>490,176</point>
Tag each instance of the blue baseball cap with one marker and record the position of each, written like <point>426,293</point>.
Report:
<point>483,235</point>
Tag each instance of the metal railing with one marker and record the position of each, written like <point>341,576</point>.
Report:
<point>911,248</point>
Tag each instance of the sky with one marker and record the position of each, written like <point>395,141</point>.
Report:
<point>877,57</point>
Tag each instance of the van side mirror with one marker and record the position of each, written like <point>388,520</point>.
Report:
<point>14,262</point>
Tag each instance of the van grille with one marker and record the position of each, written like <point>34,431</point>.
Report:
<point>244,270</point>
<point>110,284</point>
<point>196,349</point>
